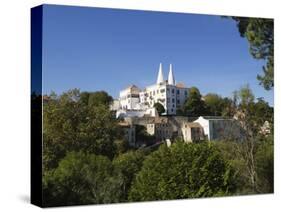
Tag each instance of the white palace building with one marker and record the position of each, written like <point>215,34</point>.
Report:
<point>136,107</point>
<point>134,102</point>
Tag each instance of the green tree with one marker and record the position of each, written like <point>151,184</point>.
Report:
<point>228,109</point>
<point>194,105</point>
<point>231,152</point>
<point>265,165</point>
<point>235,154</point>
<point>215,104</point>
<point>72,125</point>
<point>245,96</point>
<point>81,178</point>
<point>97,132</point>
<point>127,165</point>
<point>261,112</point>
<point>260,35</point>
<point>143,137</point>
<point>121,146</point>
<point>95,98</point>
<point>183,171</point>
<point>159,107</point>
<point>218,106</point>
<point>252,116</point>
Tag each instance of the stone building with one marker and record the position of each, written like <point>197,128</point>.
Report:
<point>160,128</point>
<point>168,127</point>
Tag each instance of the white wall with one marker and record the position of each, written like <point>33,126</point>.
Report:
<point>205,124</point>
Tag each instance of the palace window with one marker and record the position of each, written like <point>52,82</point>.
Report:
<point>162,90</point>
<point>173,91</point>
<point>178,91</point>
<point>178,101</point>
<point>173,100</point>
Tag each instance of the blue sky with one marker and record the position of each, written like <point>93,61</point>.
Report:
<point>105,49</point>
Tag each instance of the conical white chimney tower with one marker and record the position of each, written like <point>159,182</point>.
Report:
<point>171,79</point>
<point>160,78</point>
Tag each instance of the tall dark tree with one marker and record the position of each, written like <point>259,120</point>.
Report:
<point>260,35</point>
<point>143,137</point>
<point>194,105</point>
<point>159,107</point>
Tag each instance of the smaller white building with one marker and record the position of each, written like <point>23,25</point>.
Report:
<point>218,128</point>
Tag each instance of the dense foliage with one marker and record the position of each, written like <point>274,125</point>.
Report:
<point>260,35</point>
<point>78,121</point>
<point>218,106</point>
<point>194,105</point>
<point>128,165</point>
<point>183,171</point>
<point>237,156</point>
<point>82,178</point>
<point>87,161</point>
